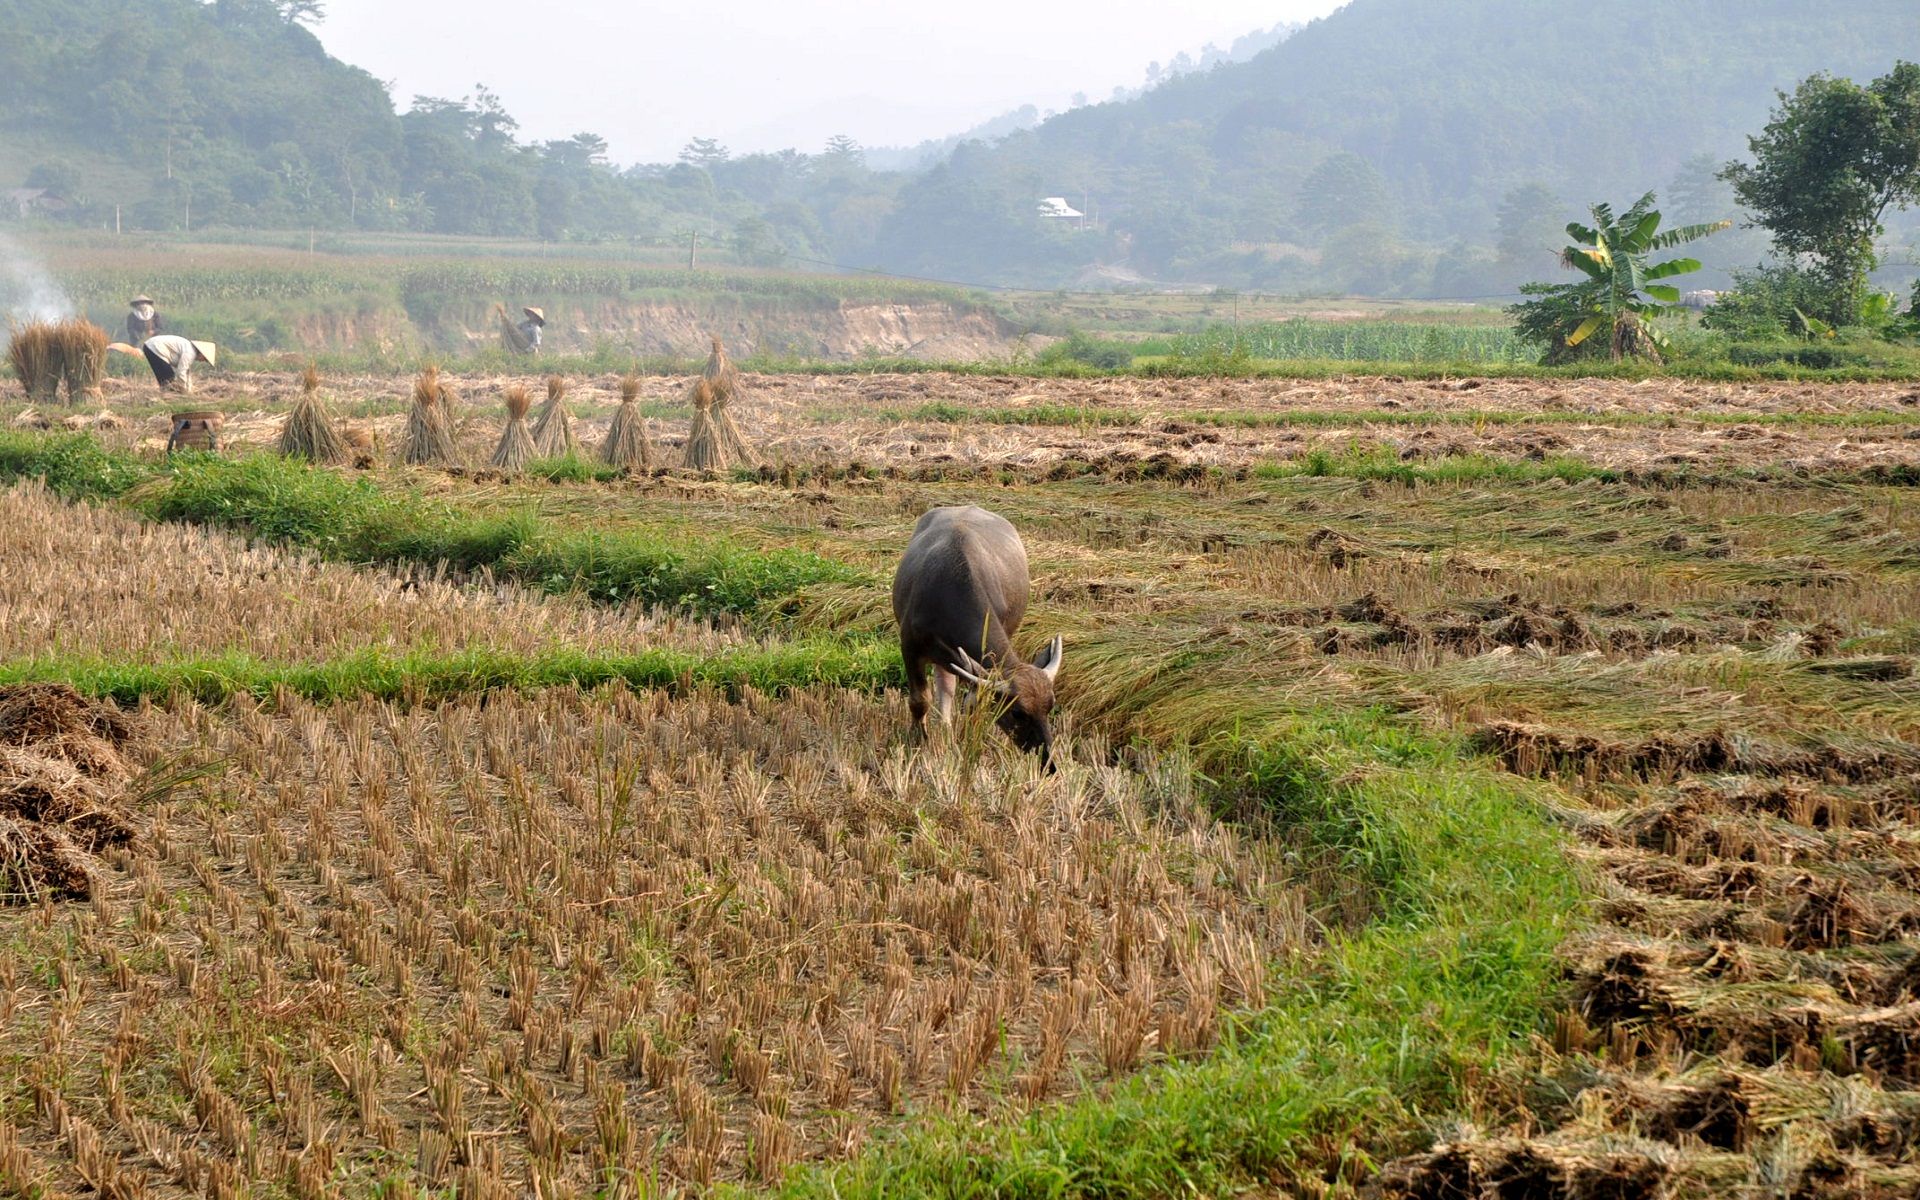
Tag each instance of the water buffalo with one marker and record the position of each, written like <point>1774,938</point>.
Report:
<point>959,596</point>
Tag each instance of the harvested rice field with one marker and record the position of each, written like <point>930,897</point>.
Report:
<point>1527,817</point>
<point>933,421</point>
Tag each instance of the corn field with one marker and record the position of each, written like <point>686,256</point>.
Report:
<point>1361,341</point>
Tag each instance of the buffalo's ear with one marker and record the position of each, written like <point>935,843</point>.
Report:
<point>1049,661</point>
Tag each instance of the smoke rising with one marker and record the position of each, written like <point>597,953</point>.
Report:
<point>27,292</point>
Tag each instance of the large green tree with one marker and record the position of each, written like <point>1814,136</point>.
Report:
<point>1833,160</point>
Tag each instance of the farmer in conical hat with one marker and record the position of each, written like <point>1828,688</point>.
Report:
<point>172,357</point>
<point>531,327</point>
<point>143,320</point>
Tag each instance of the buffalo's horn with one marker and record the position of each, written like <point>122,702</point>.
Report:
<point>971,671</point>
<point>1056,650</point>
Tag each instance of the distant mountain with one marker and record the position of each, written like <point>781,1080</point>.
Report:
<point>1442,108</point>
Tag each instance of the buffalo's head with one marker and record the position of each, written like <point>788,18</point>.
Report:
<point>1026,695</point>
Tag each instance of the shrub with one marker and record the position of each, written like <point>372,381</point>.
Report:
<point>1766,302</point>
<point>1088,351</point>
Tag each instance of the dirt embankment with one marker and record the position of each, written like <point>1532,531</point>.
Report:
<point>682,329</point>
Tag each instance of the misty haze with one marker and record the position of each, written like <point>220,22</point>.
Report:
<point>841,602</point>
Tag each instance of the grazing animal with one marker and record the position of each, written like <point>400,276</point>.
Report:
<point>959,596</point>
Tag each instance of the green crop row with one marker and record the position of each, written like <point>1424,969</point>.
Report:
<point>862,663</point>
<point>1358,341</point>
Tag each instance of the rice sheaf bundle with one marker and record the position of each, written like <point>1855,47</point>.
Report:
<point>309,431</point>
<point>627,446</point>
<point>83,358</point>
<point>705,451</point>
<point>450,407</point>
<point>553,433</point>
<point>429,439</point>
<point>723,378</point>
<point>34,352</point>
<point>516,447</point>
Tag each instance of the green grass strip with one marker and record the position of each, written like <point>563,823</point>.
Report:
<point>860,663</point>
<point>354,519</point>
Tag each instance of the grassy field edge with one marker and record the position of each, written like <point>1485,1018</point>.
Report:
<point>1353,1059</point>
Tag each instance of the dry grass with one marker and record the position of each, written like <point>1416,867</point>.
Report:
<point>83,359</point>
<point>553,435</point>
<point>627,445</point>
<point>706,451</point>
<point>61,780</point>
<point>428,440</point>
<point>724,379</point>
<point>34,352</point>
<point>309,431</point>
<point>516,448</point>
<point>90,583</point>
<point>509,943</point>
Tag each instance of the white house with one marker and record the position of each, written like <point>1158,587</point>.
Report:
<point>1058,209</point>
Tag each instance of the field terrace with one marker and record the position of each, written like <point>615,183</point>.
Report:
<point>1544,818</point>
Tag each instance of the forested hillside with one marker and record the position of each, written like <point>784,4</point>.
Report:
<point>1407,147</point>
<point>1395,125</point>
<point>231,113</point>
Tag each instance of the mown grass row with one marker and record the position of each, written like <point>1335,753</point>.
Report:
<point>288,503</point>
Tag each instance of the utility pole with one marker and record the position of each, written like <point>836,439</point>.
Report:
<point>116,220</point>
<point>693,249</point>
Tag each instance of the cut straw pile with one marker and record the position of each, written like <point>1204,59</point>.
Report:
<point>34,352</point>
<point>428,440</point>
<point>553,435</point>
<point>516,447</point>
<point>627,446</point>
<point>309,431</point>
<point>714,443</point>
<point>62,775</point>
<point>510,335</point>
<point>83,358</point>
<point>45,352</point>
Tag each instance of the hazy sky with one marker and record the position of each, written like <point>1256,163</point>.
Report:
<point>767,74</point>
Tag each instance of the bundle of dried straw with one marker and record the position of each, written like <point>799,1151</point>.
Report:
<point>714,443</point>
<point>627,446</point>
<point>516,447</point>
<point>429,436</point>
<point>34,352</point>
<point>309,431</point>
<point>83,358</point>
<point>553,433</point>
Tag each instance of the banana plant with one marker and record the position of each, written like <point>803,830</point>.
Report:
<point>1623,291</point>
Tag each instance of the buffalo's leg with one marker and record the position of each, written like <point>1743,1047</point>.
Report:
<point>917,694</point>
<point>945,684</point>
